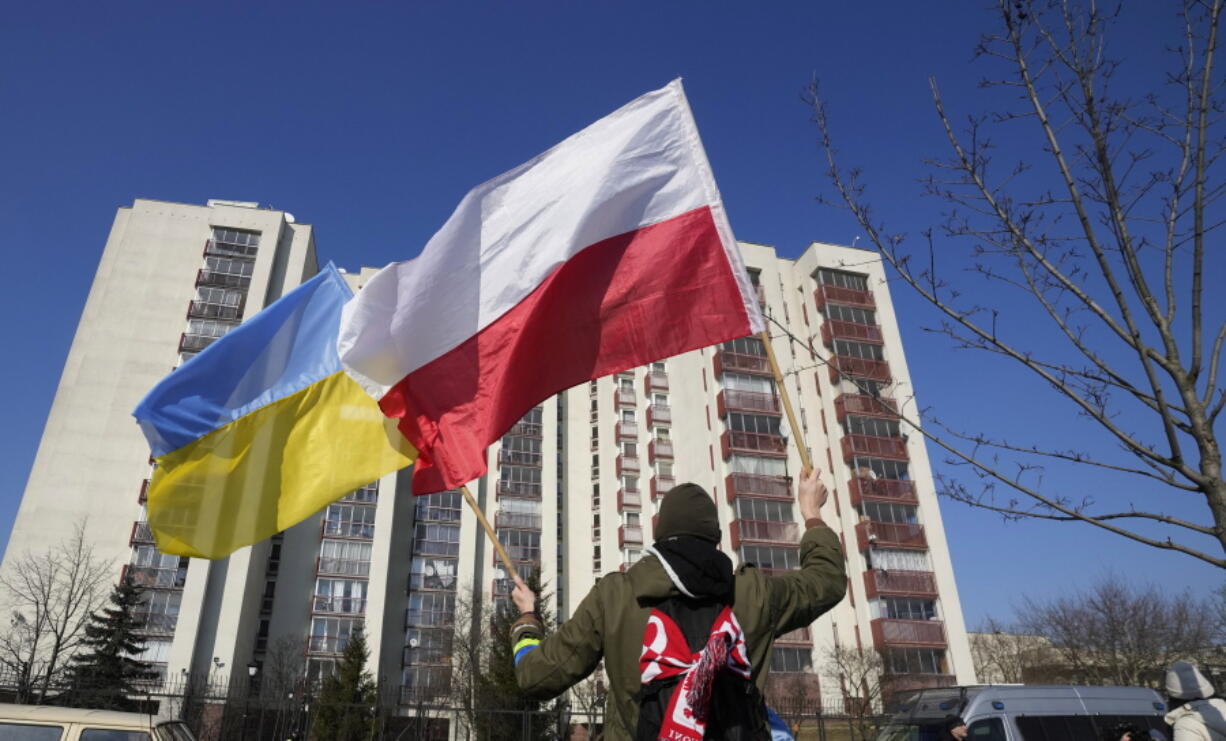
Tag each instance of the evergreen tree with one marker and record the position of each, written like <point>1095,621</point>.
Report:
<point>347,698</point>
<point>106,674</point>
<point>496,688</point>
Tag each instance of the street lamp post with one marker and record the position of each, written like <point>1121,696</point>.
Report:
<point>252,668</point>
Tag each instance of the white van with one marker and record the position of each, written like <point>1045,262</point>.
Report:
<point>1027,713</point>
<point>47,723</point>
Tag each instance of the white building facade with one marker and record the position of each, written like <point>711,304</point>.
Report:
<point>572,489</point>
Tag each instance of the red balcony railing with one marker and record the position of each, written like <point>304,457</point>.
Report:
<point>763,531</point>
<point>623,398</point>
<point>627,464</point>
<point>655,381</point>
<point>627,430</point>
<point>749,484</point>
<point>519,489</point>
<point>746,401</point>
<point>800,635</point>
<point>896,583</point>
<point>836,328</point>
<point>517,520</point>
<point>863,405</point>
<point>659,449</point>
<point>143,496</point>
<point>873,370</point>
<point>341,605</point>
<point>844,296</point>
<point>627,498</point>
<point>659,414</point>
<point>891,535</point>
<point>141,533</point>
<point>891,632</point>
<point>754,443</point>
<point>874,447</point>
<point>882,490</point>
<point>660,486</point>
<point>727,360</point>
<point>629,535</point>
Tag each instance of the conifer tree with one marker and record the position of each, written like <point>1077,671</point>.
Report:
<point>105,675</point>
<point>347,698</point>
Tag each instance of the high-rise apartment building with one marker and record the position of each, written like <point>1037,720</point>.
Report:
<point>572,489</point>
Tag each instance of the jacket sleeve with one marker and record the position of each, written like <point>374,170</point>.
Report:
<point>797,598</point>
<point>564,658</point>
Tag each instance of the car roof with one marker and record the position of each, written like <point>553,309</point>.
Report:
<point>51,713</point>
<point>977,700</point>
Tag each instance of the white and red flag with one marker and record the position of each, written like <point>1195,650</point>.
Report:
<point>606,252</point>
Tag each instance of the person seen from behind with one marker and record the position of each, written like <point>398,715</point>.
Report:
<point>1195,712</point>
<point>954,728</point>
<point>686,640</point>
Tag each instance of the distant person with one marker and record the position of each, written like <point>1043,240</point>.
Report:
<point>1196,713</point>
<point>686,641</point>
<point>955,728</point>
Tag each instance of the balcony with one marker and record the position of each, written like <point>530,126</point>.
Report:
<point>526,429</point>
<point>836,328</point>
<point>222,280</point>
<point>891,535</point>
<point>194,342</point>
<point>894,583</point>
<point>519,490</point>
<point>206,310</point>
<point>655,381</point>
<point>863,405</point>
<point>736,362</point>
<point>341,567</point>
<point>871,446</point>
<point>519,457</point>
<point>156,578</point>
<point>891,632</point>
<point>659,449</point>
<point>517,520</point>
<point>627,430</point>
<point>763,531</point>
<point>755,402</point>
<point>627,464</point>
<point>798,636</point>
<point>328,603</point>
<point>626,498</point>
<point>753,443</point>
<point>347,529</point>
<point>659,414</point>
<point>429,618</point>
<point>845,365</point>
<point>154,623</point>
<point>882,490</point>
<point>329,645</point>
<point>660,486</point>
<point>141,533</point>
<point>520,554</point>
<point>624,398</point>
<point>754,485</point>
<point>629,535</point>
<point>143,496</point>
<point>844,296</point>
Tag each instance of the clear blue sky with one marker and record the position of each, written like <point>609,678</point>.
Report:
<point>370,120</point>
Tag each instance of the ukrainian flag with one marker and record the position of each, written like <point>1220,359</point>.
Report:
<point>263,429</point>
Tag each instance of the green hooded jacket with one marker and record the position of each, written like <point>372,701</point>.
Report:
<point>610,621</point>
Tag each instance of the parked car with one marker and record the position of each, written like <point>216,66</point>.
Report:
<point>49,723</point>
<point>1026,713</point>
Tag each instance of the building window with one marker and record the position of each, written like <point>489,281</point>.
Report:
<point>882,469</point>
<point>432,573</point>
<point>791,660</point>
<point>436,539</point>
<point>915,660</point>
<point>889,512</point>
<point>431,609</point>
<point>842,279</point>
<point>523,480</point>
<point>761,424</point>
<point>892,559</point>
<point>851,314</point>
<point>521,545</point>
<point>908,608</point>
<point>746,346</point>
<point>445,506</point>
<point>349,521</point>
<point>764,509</point>
<point>741,382</point>
<point>873,426</point>
<point>657,367</point>
<point>771,557</point>
<point>863,350</point>
<point>239,242</point>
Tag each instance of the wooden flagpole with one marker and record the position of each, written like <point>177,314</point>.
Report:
<point>805,462</point>
<point>502,552</point>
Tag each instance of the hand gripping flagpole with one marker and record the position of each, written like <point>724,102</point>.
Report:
<point>805,463</point>
<point>498,547</point>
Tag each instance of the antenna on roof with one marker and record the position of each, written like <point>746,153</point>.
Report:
<point>854,240</point>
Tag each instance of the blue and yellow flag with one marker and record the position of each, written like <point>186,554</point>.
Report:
<point>263,429</point>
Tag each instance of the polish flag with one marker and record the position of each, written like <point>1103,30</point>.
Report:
<point>606,252</point>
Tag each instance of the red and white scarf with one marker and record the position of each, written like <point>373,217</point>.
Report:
<point>666,654</point>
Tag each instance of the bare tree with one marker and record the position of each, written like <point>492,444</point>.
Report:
<point>1103,231</point>
<point>49,596</point>
<point>864,682</point>
<point>587,702</point>
<point>1004,654</point>
<point>1117,634</point>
